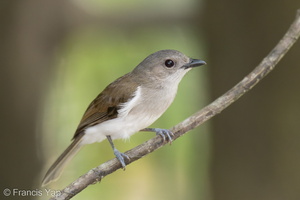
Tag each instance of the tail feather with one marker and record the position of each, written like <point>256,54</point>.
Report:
<point>55,170</point>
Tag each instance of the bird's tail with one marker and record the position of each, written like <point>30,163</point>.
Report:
<point>55,170</point>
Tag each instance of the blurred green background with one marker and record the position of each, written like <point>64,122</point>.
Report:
<point>56,56</point>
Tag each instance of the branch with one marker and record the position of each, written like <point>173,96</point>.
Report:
<point>266,66</point>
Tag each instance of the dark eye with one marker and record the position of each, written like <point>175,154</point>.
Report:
<point>169,63</point>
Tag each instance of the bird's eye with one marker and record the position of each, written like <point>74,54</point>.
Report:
<point>169,63</point>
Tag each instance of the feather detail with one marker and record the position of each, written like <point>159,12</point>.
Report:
<point>55,170</point>
<point>106,105</point>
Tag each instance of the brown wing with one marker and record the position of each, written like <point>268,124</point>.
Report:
<point>105,106</point>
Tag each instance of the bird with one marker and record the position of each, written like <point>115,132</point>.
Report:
<point>128,105</point>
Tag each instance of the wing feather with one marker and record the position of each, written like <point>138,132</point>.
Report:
<point>106,105</point>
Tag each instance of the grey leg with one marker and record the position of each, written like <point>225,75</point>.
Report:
<point>164,133</point>
<point>120,156</point>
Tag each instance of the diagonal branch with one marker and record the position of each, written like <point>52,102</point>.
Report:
<point>266,66</point>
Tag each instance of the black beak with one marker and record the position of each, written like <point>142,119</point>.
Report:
<point>194,63</point>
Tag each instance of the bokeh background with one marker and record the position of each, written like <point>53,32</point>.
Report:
<point>56,56</point>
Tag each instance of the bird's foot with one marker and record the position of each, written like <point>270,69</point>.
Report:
<point>164,133</point>
<point>120,156</point>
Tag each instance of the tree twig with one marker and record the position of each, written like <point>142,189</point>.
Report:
<point>266,66</point>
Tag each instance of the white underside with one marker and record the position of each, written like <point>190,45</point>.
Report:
<point>118,128</point>
<point>135,115</point>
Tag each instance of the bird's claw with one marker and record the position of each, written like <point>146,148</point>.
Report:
<point>165,134</point>
<point>120,156</point>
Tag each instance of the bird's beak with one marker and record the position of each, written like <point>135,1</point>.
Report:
<point>194,63</point>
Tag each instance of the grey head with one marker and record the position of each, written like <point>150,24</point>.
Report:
<point>165,67</point>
